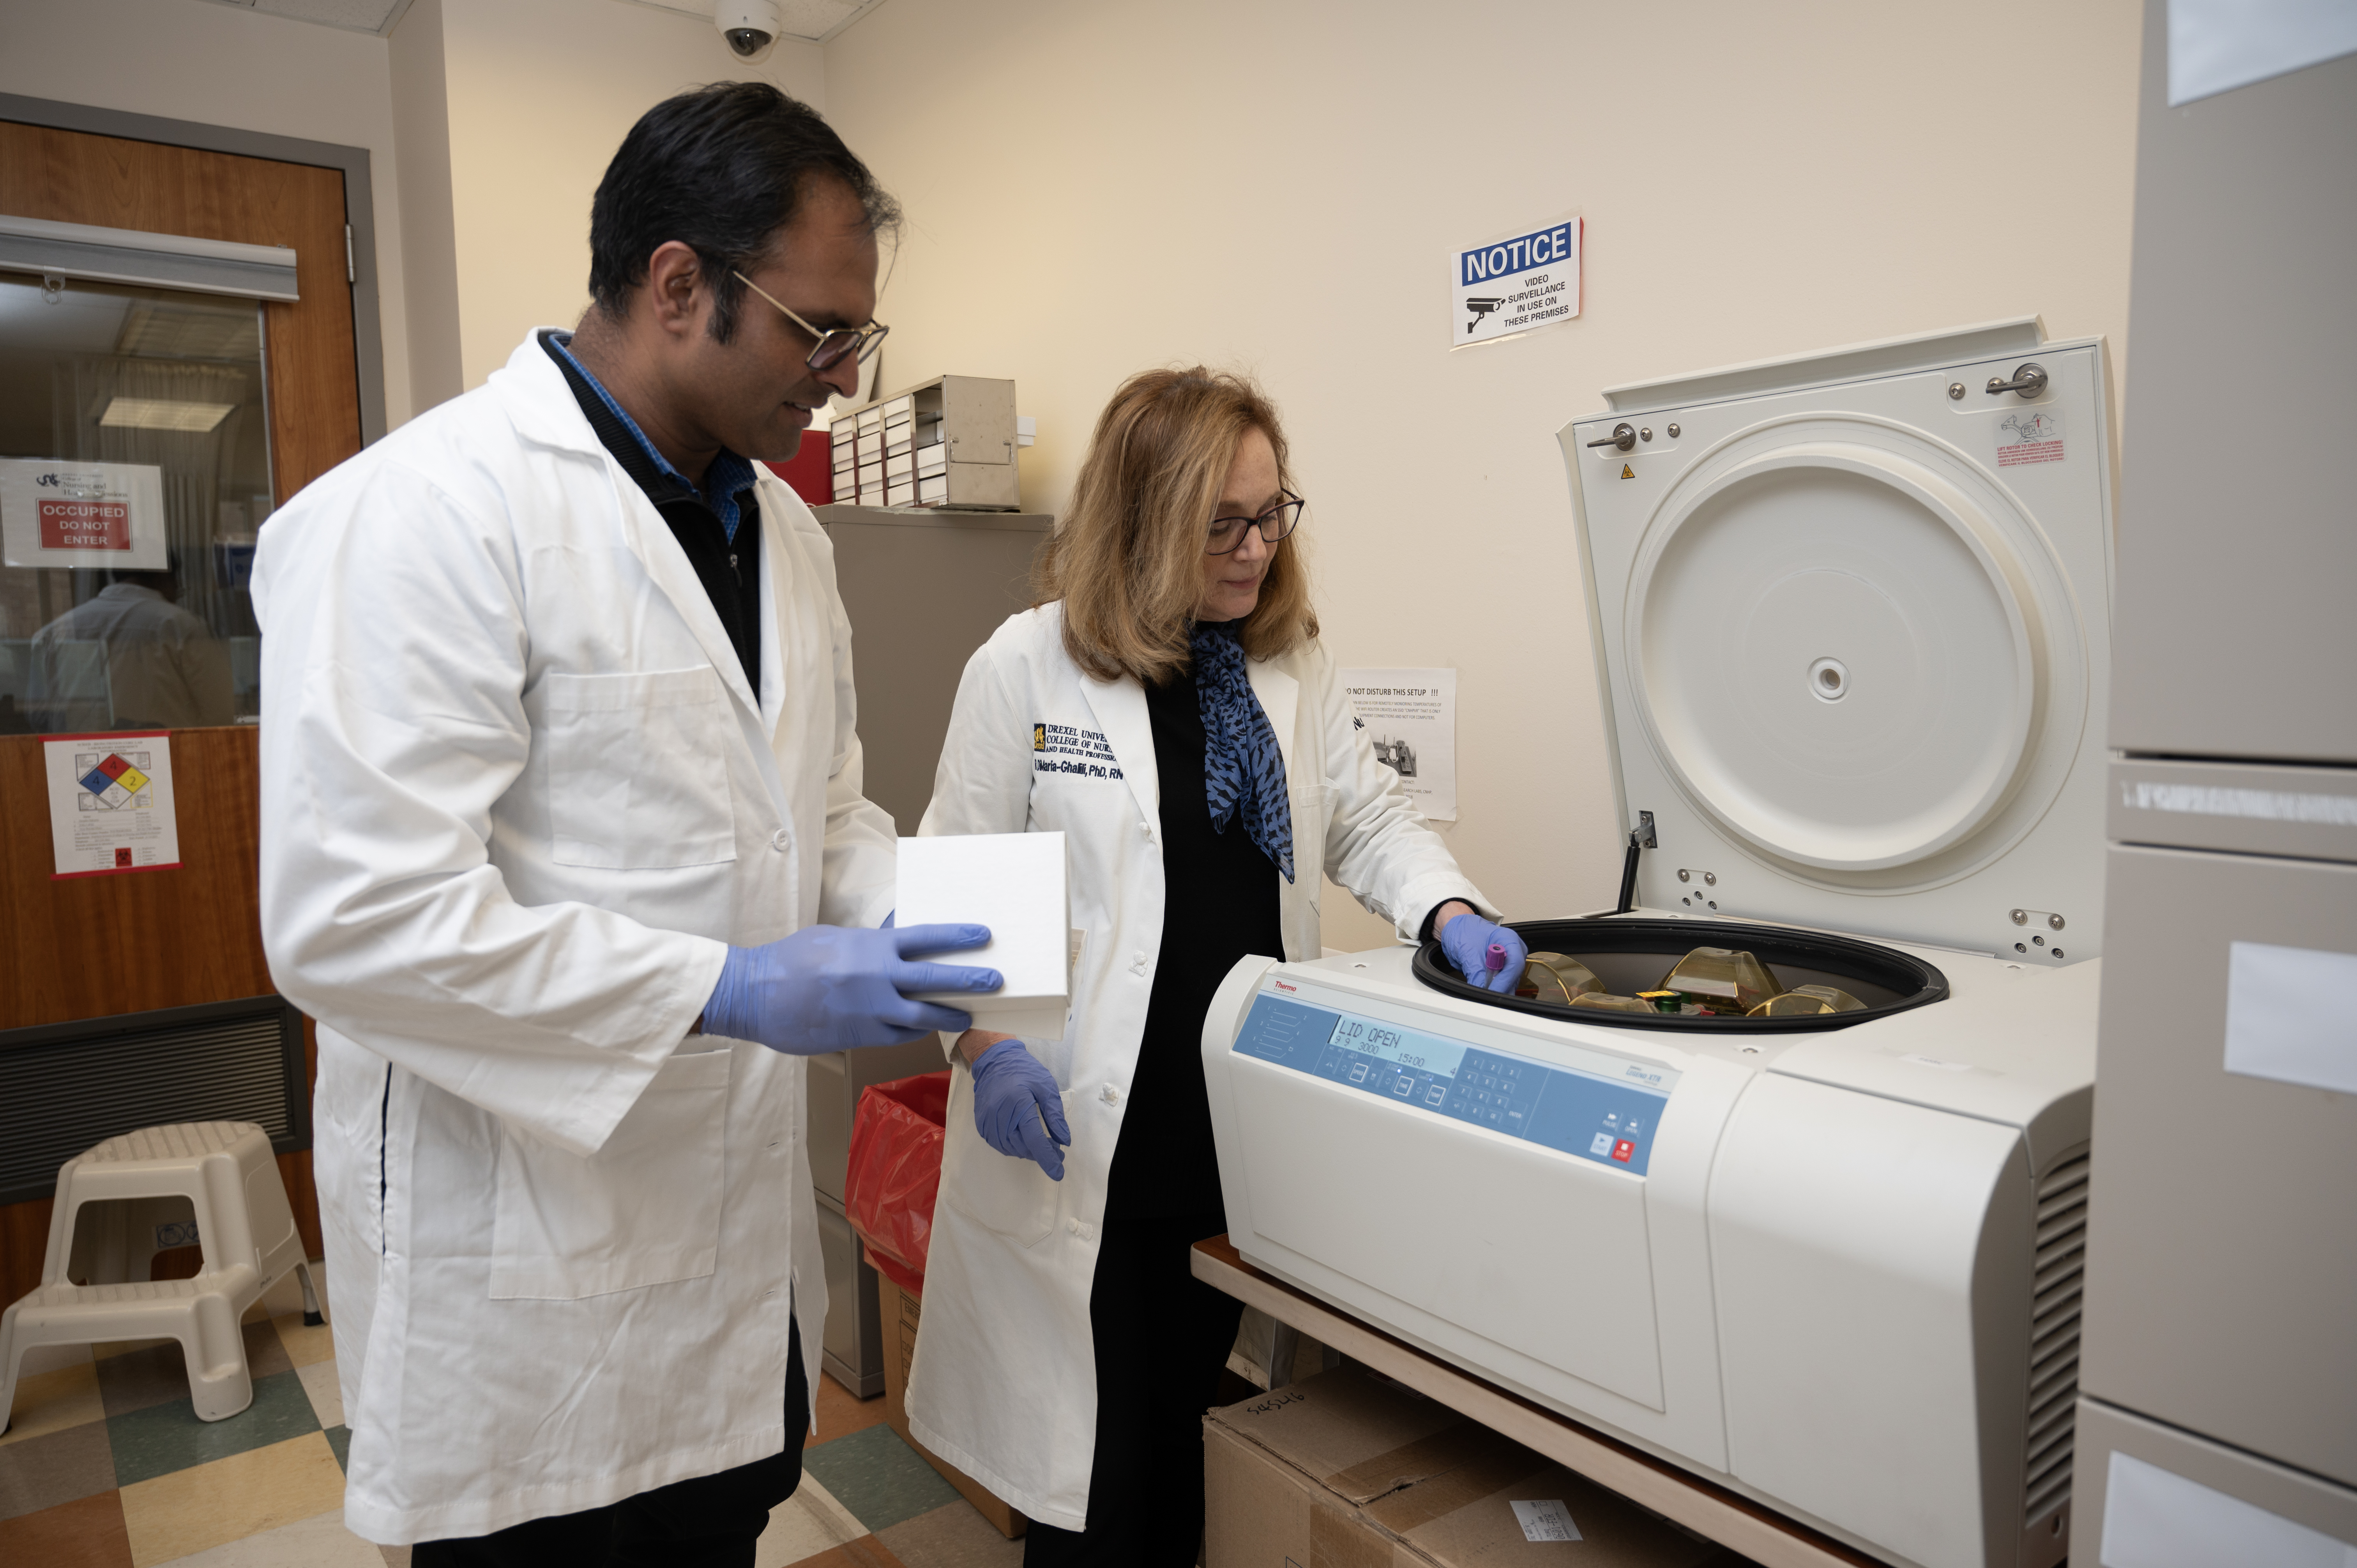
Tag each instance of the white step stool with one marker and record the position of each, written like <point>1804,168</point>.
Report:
<point>226,1173</point>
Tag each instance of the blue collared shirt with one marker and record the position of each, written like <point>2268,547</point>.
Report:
<point>728,476</point>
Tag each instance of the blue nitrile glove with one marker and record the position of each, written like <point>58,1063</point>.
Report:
<point>1466,939</point>
<point>1012,1093</point>
<point>830,988</point>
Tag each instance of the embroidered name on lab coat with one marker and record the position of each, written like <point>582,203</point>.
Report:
<point>1063,748</point>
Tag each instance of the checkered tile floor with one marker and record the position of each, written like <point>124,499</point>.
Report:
<point>104,1466</point>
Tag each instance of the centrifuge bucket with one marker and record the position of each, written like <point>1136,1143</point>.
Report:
<point>1631,955</point>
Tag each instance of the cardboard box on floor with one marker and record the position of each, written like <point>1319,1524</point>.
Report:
<point>1350,1470</point>
<point>902,1310</point>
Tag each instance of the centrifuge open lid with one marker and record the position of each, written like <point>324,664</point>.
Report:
<point>1850,617</point>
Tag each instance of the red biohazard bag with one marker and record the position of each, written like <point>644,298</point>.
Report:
<point>896,1172</point>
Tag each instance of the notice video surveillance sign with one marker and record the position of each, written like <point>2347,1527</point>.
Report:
<point>1516,282</point>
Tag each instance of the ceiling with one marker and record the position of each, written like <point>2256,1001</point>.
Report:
<point>354,16</point>
<point>815,20</point>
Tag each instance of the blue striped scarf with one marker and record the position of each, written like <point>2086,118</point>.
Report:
<point>1243,772</point>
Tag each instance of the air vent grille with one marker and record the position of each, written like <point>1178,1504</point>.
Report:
<point>66,1087</point>
<point>2057,1274</point>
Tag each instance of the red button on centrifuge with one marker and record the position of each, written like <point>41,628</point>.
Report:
<point>1623,1149</point>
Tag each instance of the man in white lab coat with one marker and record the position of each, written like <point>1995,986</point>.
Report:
<point>159,667</point>
<point>564,846</point>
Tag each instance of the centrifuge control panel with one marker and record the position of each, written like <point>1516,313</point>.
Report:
<point>1608,1115</point>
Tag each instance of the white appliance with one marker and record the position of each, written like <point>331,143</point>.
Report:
<point>1851,616</point>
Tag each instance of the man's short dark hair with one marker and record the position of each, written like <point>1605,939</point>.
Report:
<point>721,169</point>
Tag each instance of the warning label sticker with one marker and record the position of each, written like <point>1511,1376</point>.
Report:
<point>2031,436</point>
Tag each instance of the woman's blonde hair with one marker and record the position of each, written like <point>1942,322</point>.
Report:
<point>1126,557</point>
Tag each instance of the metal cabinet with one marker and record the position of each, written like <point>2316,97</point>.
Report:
<point>854,1350</point>
<point>2235,552</point>
<point>2150,1496</point>
<point>2222,1279</point>
<point>2217,1373</point>
<point>923,590</point>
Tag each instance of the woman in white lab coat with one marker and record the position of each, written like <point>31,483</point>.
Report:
<point>1172,713</point>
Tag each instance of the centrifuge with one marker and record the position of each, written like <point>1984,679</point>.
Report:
<point>1850,615</point>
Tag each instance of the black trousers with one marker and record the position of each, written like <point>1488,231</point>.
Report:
<point>706,1522</point>
<point>1161,1337</point>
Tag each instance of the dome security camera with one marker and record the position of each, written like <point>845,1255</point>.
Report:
<point>750,27</point>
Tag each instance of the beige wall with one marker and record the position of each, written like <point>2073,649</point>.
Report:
<point>220,66</point>
<point>534,96</point>
<point>1095,185</point>
<point>421,129</point>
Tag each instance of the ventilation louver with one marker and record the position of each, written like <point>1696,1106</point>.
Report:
<point>2057,1276</point>
<point>65,1088</point>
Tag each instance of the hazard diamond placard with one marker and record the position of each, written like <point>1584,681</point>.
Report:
<point>111,803</point>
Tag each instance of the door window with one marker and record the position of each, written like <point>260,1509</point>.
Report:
<point>134,470</point>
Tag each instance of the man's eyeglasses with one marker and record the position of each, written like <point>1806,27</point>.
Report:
<point>833,346</point>
<point>1278,520</point>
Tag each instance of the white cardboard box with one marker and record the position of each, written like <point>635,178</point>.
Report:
<point>1015,884</point>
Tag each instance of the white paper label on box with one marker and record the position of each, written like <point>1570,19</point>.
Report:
<point>111,803</point>
<point>2215,45</point>
<point>55,512</point>
<point>1410,718</point>
<point>2156,1518</point>
<point>2259,805</point>
<point>1547,1520</point>
<point>2288,1016</point>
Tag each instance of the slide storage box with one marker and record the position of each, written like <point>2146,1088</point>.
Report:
<point>962,432</point>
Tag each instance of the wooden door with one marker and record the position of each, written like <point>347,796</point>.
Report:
<point>95,947</point>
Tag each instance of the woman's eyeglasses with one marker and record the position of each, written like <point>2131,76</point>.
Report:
<point>1278,520</point>
<point>833,346</point>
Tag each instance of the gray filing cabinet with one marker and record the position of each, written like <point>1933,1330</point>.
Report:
<point>2218,1369</point>
<point>923,590</point>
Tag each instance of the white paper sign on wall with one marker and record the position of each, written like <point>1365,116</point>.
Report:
<point>1409,716</point>
<point>59,512</point>
<point>1515,281</point>
<point>110,807</point>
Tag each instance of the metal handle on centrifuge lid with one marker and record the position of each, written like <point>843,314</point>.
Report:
<point>1624,434</point>
<point>1640,837</point>
<point>2028,379</point>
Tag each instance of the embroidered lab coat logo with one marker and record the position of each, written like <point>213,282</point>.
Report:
<point>1065,749</point>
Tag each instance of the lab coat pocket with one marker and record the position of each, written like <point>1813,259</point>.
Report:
<point>643,1210</point>
<point>637,769</point>
<point>1006,1195</point>
<point>1313,815</point>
